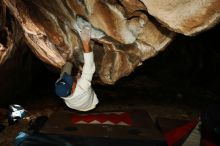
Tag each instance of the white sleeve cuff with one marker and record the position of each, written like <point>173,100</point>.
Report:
<point>88,57</point>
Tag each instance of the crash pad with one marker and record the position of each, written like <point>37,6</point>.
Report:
<point>128,128</point>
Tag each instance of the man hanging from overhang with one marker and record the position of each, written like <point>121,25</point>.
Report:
<point>77,92</point>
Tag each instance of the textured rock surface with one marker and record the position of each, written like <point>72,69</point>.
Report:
<point>185,16</point>
<point>123,33</point>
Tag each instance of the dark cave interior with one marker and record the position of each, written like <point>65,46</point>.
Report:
<point>171,99</point>
<point>186,72</point>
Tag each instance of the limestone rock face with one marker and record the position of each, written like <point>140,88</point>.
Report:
<point>123,32</point>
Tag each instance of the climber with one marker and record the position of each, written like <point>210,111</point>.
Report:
<point>76,91</point>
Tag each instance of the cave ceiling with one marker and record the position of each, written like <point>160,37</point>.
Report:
<point>124,32</point>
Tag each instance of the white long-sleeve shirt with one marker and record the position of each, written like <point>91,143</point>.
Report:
<point>84,98</point>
